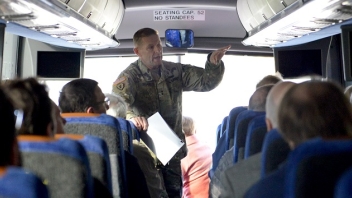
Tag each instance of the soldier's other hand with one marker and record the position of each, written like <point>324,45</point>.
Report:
<point>217,55</point>
<point>141,123</point>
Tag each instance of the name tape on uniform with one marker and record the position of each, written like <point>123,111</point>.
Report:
<point>179,15</point>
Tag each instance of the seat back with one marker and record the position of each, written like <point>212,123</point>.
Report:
<point>135,131</point>
<point>255,136</point>
<point>16,178</point>
<point>108,128</point>
<point>98,155</point>
<point>126,134</point>
<point>231,123</point>
<point>343,187</point>
<point>241,128</point>
<point>218,153</point>
<point>314,167</point>
<point>61,164</point>
<point>218,134</point>
<point>274,152</point>
<point>223,142</point>
<point>223,125</point>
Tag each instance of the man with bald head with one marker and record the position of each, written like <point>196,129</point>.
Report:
<point>308,110</point>
<point>258,99</point>
<point>236,180</point>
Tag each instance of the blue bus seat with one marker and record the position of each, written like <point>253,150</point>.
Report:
<point>127,134</point>
<point>223,142</point>
<point>135,131</point>
<point>223,125</point>
<point>18,182</point>
<point>274,151</point>
<point>231,123</point>
<point>218,134</point>
<point>241,128</point>
<point>343,187</point>
<point>314,167</point>
<point>108,128</point>
<point>61,164</point>
<point>98,155</point>
<point>255,136</point>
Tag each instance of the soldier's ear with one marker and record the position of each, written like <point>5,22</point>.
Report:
<point>135,50</point>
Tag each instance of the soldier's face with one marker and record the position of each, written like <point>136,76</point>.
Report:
<point>150,51</point>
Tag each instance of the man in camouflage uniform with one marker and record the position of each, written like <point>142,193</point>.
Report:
<point>152,85</point>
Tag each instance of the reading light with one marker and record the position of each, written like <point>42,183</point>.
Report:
<point>299,19</point>
<point>59,21</point>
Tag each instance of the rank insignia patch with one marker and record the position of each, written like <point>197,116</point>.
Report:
<point>120,86</point>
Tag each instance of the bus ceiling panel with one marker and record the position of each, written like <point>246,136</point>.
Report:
<point>214,23</point>
<point>162,4</point>
<point>299,21</point>
<point>90,24</point>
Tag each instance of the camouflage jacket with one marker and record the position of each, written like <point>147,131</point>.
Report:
<point>146,96</point>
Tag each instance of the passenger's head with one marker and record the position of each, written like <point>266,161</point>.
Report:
<point>273,102</point>
<point>117,106</point>
<point>348,93</point>
<point>34,115</point>
<point>188,126</point>
<point>82,96</point>
<point>7,135</point>
<point>147,45</point>
<point>313,109</point>
<point>258,98</point>
<point>267,80</point>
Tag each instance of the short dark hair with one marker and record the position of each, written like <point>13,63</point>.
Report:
<point>258,99</point>
<point>7,135</point>
<point>313,109</point>
<point>144,32</point>
<point>78,95</point>
<point>31,97</point>
<point>267,80</point>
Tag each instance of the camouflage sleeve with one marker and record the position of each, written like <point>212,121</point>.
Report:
<point>199,79</point>
<point>125,87</point>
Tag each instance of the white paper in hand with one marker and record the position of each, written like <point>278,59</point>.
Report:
<point>166,142</point>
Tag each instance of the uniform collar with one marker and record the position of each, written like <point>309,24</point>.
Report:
<point>165,73</point>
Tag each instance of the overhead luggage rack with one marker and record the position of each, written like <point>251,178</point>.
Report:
<point>65,25</point>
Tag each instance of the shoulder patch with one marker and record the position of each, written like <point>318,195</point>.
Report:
<point>120,80</point>
<point>120,86</point>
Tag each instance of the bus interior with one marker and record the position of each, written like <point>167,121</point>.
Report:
<point>295,38</point>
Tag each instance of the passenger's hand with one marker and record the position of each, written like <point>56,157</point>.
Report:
<point>217,55</point>
<point>141,123</point>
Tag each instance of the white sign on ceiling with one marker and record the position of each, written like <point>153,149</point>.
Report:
<point>179,15</point>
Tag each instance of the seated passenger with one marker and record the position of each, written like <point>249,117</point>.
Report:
<point>236,180</point>
<point>14,181</point>
<point>117,106</point>
<point>308,110</point>
<point>34,107</point>
<point>85,96</point>
<point>268,80</point>
<point>196,165</point>
<point>256,103</point>
<point>146,158</point>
